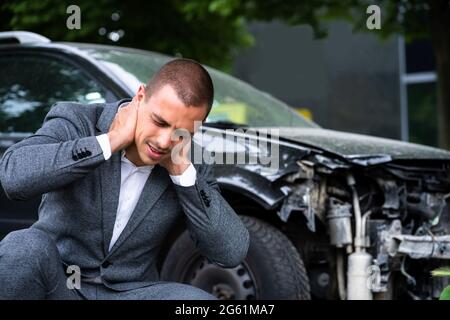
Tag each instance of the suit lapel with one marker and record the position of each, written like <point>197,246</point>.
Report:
<point>154,187</point>
<point>110,180</point>
<point>110,176</point>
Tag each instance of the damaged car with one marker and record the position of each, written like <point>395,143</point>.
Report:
<point>331,215</point>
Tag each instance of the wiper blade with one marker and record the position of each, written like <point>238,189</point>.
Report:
<point>224,124</point>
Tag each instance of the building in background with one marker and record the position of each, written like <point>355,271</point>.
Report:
<point>348,81</point>
<point>420,87</point>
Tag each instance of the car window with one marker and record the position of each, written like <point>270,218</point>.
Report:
<point>30,85</point>
<point>234,101</point>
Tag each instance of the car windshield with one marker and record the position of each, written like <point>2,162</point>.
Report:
<point>234,101</point>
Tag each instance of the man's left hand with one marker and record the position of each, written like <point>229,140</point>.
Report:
<point>177,162</point>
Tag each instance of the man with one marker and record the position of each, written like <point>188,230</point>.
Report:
<point>112,187</point>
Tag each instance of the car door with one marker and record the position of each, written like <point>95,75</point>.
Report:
<point>30,83</point>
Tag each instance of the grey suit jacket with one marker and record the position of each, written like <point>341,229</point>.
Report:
<point>64,163</point>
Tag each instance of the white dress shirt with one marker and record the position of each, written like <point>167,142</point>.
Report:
<point>132,181</point>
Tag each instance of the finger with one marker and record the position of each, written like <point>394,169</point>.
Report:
<point>186,145</point>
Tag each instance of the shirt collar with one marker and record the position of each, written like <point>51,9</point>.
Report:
<point>123,104</point>
<point>124,160</point>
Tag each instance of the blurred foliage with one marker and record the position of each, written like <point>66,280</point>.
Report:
<point>422,113</point>
<point>174,27</point>
<point>408,17</point>
<point>209,31</point>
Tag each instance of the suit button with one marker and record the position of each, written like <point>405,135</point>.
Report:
<point>75,157</point>
<point>86,152</point>
<point>106,264</point>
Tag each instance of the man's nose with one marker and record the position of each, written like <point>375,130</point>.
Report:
<point>165,140</point>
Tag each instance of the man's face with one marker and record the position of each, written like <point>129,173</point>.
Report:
<point>158,117</point>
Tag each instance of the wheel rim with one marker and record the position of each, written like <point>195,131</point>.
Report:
<point>225,283</point>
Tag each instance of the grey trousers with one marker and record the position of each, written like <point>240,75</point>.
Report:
<point>31,268</point>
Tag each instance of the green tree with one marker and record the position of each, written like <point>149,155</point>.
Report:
<point>170,26</point>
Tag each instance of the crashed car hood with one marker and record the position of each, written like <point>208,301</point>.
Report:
<point>350,145</point>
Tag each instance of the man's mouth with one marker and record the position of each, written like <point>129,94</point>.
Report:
<point>154,153</point>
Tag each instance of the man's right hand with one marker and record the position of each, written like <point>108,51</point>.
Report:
<point>122,130</point>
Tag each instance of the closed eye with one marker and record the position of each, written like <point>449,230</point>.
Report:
<point>159,124</point>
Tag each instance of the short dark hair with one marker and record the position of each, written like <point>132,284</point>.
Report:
<point>188,78</point>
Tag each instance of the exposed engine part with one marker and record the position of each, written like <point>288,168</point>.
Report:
<point>425,204</point>
<point>387,242</point>
<point>319,281</point>
<point>364,237</point>
<point>434,177</point>
<point>308,197</point>
<point>365,160</point>
<point>395,243</point>
<point>423,247</point>
<point>409,278</point>
<point>307,167</point>
<point>360,261</point>
<point>359,242</point>
<point>341,275</point>
<point>330,163</point>
<point>301,199</point>
<point>384,288</point>
<point>338,192</point>
<point>376,219</point>
<point>381,232</point>
<point>305,172</point>
<point>357,276</point>
<point>394,197</point>
<point>339,223</point>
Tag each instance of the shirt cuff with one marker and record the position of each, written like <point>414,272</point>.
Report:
<point>187,178</point>
<point>103,140</point>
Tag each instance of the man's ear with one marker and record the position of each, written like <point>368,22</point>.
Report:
<point>140,94</point>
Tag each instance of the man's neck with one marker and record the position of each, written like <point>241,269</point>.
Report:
<point>132,154</point>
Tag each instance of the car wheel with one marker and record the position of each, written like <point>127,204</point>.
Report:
<point>273,268</point>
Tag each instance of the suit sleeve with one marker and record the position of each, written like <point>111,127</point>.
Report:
<point>215,228</point>
<point>60,152</point>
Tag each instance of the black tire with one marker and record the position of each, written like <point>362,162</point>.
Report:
<point>273,268</point>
